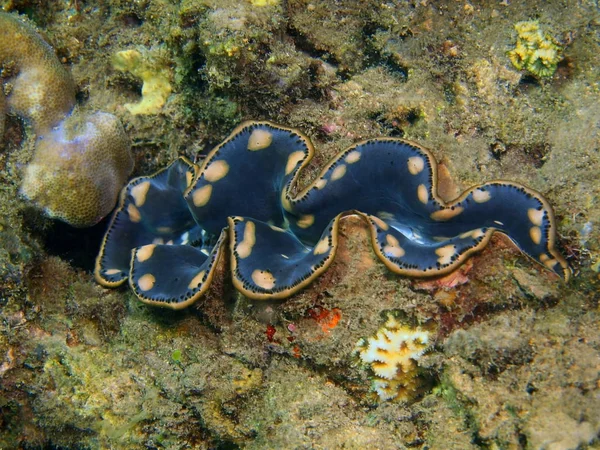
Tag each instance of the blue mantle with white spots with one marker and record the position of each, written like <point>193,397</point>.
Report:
<point>171,228</point>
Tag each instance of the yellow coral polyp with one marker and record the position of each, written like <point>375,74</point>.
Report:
<point>392,355</point>
<point>264,2</point>
<point>535,52</point>
<point>156,86</point>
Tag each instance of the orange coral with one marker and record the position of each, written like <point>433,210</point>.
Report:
<point>327,319</point>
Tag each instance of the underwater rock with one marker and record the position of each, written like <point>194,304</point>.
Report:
<point>2,115</point>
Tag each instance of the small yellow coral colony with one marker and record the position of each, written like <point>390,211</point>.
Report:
<point>393,354</point>
<point>536,52</point>
<point>265,2</point>
<point>156,87</point>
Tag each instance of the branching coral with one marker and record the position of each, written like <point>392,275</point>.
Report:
<point>80,162</point>
<point>392,355</point>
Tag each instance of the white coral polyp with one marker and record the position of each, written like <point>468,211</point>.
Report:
<point>393,354</point>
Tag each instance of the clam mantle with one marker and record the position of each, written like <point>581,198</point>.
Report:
<point>171,228</point>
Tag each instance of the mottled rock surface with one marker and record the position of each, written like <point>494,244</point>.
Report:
<point>515,359</point>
